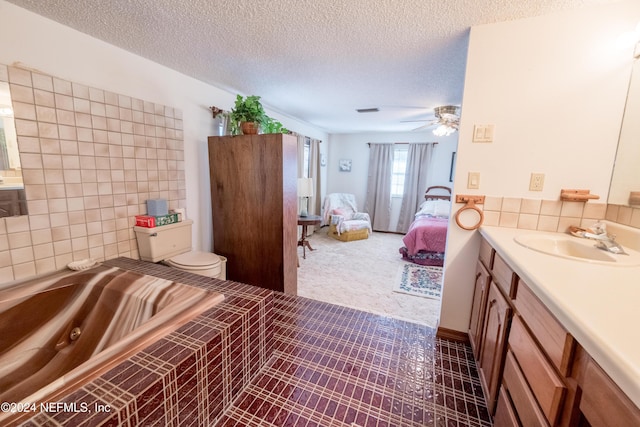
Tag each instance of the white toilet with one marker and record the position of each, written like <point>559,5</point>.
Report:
<point>171,244</point>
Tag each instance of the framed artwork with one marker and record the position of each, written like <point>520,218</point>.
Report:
<point>453,166</point>
<point>345,165</point>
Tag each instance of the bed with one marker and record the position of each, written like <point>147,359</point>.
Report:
<point>426,238</point>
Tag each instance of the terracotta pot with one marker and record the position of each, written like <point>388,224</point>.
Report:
<point>249,128</point>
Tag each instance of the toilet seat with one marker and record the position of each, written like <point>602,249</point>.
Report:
<point>202,263</point>
<point>195,260</point>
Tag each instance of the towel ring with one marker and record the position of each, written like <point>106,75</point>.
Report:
<point>470,204</point>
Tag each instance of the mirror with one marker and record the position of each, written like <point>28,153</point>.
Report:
<point>12,195</point>
<point>625,179</point>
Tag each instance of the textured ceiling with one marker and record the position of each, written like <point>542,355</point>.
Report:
<point>315,60</point>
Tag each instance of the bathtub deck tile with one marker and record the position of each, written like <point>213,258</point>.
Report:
<point>199,371</point>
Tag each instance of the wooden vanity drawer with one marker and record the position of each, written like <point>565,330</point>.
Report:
<point>544,383</point>
<point>486,254</point>
<point>503,275</point>
<point>505,413</point>
<point>553,338</point>
<point>523,399</point>
<point>603,403</point>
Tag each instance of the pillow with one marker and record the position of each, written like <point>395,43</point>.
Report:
<point>442,209</point>
<point>346,214</point>
<point>427,208</point>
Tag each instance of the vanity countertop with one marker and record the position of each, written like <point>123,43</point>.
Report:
<point>598,304</point>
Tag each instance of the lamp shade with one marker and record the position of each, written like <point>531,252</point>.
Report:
<point>305,187</point>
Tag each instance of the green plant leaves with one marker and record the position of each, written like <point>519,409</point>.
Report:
<point>250,109</point>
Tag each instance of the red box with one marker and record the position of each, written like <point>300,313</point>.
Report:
<point>149,221</point>
<point>146,221</point>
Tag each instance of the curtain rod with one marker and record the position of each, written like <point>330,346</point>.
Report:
<point>402,143</point>
<point>299,134</point>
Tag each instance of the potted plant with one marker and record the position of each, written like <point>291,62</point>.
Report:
<point>249,113</point>
<point>273,126</point>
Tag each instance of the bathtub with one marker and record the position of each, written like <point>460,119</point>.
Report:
<point>63,330</point>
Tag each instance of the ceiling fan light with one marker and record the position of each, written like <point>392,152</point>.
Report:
<point>444,130</point>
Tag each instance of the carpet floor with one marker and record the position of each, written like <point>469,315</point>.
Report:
<point>361,274</point>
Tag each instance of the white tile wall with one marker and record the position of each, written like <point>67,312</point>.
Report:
<point>552,215</point>
<point>90,160</point>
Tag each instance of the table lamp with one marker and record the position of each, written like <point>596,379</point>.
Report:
<point>305,190</point>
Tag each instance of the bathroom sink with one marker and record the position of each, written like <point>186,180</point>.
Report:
<point>565,246</point>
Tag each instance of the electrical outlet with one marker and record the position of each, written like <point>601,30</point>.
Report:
<point>537,182</point>
<point>473,181</point>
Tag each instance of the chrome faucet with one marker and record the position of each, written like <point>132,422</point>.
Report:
<point>609,244</point>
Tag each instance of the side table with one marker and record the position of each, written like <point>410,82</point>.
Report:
<point>306,221</point>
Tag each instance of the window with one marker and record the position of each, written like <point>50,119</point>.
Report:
<point>306,172</point>
<point>398,170</point>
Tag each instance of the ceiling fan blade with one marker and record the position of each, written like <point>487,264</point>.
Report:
<point>422,127</point>
<point>403,107</point>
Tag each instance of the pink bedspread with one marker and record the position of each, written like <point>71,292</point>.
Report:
<point>426,234</point>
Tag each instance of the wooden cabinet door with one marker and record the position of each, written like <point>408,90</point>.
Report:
<point>492,345</point>
<point>477,309</point>
<point>254,207</point>
<point>603,404</point>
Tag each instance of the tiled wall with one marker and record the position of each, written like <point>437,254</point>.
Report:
<point>537,214</point>
<point>90,160</point>
<point>553,215</point>
<point>624,215</point>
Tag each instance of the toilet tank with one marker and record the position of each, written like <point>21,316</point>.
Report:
<point>159,243</point>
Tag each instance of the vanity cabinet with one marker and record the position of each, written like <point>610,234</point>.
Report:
<point>476,323</point>
<point>490,318</point>
<point>496,323</point>
<point>602,404</point>
<point>557,343</point>
<point>535,388</point>
<point>533,372</point>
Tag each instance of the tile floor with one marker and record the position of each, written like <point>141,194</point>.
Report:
<point>337,366</point>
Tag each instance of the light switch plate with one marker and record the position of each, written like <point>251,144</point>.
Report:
<point>473,181</point>
<point>483,133</point>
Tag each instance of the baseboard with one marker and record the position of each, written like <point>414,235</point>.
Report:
<point>452,335</point>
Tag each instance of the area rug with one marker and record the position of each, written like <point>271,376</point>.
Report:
<point>418,280</point>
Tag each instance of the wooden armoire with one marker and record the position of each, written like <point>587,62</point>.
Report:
<point>254,208</point>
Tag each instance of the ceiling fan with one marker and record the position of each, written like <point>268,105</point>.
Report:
<point>447,119</point>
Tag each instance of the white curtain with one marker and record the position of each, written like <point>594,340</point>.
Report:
<point>300,146</point>
<point>314,207</point>
<point>415,182</point>
<point>378,199</point>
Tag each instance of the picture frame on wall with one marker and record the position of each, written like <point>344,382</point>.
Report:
<point>344,165</point>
